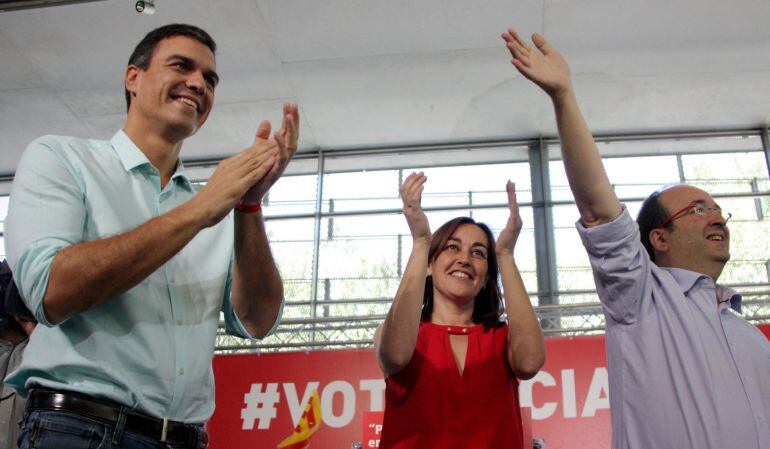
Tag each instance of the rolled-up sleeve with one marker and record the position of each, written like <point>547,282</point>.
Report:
<point>46,213</point>
<point>620,264</point>
<point>233,324</point>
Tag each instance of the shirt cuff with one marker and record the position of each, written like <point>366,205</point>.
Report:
<point>32,272</point>
<point>236,327</point>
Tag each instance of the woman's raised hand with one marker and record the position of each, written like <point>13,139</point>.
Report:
<point>506,241</point>
<point>411,195</point>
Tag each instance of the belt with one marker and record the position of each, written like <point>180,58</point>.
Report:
<point>160,429</point>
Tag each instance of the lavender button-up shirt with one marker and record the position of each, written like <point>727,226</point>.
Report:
<point>686,371</point>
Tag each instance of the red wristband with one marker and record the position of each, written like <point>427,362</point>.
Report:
<point>248,208</point>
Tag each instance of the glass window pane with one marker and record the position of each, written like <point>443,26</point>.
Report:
<point>749,245</point>
<point>291,242</point>
<point>360,260</point>
<point>361,190</point>
<point>573,269</point>
<point>632,177</point>
<point>292,195</point>
<point>475,185</point>
<point>651,146</point>
<point>727,173</point>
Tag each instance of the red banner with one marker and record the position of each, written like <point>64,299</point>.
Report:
<point>261,397</point>
<point>371,429</point>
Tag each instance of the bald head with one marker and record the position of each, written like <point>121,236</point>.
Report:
<point>682,195</point>
<point>695,236</point>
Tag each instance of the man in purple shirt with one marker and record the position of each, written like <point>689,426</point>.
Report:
<point>686,371</point>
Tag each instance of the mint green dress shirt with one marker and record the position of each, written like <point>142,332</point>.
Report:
<point>151,347</point>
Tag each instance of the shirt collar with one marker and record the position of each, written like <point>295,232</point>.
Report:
<point>181,178</point>
<point>688,279</point>
<point>726,294</point>
<point>132,157</point>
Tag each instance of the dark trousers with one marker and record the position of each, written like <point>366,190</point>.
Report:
<point>62,429</point>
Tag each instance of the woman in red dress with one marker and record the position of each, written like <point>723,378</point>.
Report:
<point>451,364</point>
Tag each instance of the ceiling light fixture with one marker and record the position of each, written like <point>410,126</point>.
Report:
<point>145,7</point>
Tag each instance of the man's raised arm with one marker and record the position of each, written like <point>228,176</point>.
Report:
<point>543,65</point>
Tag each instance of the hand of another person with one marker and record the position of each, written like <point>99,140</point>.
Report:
<point>544,66</point>
<point>411,195</point>
<point>286,139</point>
<point>506,241</point>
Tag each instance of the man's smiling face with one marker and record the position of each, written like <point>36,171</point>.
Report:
<point>176,91</point>
<point>696,242</point>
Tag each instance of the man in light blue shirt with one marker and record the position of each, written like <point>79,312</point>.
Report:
<point>685,370</point>
<point>127,265</point>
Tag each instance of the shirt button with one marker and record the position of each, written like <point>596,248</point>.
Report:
<point>181,371</point>
<point>449,329</point>
<point>178,322</point>
<point>760,418</point>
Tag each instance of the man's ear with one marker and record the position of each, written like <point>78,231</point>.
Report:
<point>132,79</point>
<point>659,240</point>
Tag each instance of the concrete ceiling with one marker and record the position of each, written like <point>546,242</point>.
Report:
<point>376,73</point>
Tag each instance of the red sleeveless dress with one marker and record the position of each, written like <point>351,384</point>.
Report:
<point>428,405</point>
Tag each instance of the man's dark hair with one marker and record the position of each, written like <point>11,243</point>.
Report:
<point>650,216</point>
<point>142,54</point>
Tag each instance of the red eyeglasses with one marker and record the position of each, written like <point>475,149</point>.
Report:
<point>695,209</point>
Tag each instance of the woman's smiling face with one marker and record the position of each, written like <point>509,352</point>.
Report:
<point>460,270</point>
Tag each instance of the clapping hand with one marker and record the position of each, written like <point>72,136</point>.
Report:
<point>506,241</point>
<point>285,146</point>
<point>411,195</point>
